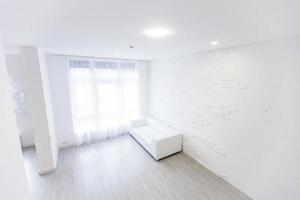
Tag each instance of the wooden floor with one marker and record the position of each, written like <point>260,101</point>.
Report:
<point>120,169</point>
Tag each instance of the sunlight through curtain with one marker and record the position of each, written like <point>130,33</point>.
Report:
<point>104,98</point>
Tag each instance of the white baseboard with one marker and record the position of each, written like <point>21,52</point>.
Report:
<point>46,171</point>
<point>61,146</point>
<point>27,146</point>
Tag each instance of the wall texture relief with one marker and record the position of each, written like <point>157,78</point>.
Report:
<point>235,109</point>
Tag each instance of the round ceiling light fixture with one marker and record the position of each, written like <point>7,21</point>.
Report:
<point>157,32</point>
<point>214,42</point>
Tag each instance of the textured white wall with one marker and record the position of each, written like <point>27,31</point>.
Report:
<point>238,110</point>
<point>13,183</point>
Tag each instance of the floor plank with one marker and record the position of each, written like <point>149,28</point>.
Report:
<point>120,169</point>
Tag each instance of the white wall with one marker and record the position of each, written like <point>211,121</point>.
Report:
<point>23,120</point>
<point>37,93</point>
<point>59,85</point>
<point>238,110</point>
<point>48,105</point>
<point>13,183</point>
<point>144,88</point>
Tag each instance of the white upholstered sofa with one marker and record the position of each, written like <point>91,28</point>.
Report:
<point>159,139</point>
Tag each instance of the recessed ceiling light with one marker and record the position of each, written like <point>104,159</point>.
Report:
<point>116,53</point>
<point>215,42</point>
<point>157,32</point>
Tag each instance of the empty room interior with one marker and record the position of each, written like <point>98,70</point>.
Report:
<point>149,100</point>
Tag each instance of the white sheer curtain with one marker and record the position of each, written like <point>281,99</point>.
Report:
<point>104,98</point>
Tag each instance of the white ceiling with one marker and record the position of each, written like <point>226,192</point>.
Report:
<point>102,27</point>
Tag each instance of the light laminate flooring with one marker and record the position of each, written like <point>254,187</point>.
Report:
<point>120,169</point>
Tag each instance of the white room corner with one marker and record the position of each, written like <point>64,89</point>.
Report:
<point>171,100</point>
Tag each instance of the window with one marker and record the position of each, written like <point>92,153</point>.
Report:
<point>104,97</point>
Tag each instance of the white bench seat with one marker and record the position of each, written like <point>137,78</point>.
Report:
<point>157,138</point>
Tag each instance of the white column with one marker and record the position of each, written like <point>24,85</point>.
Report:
<point>37,93</point>
<point>13,183</point>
